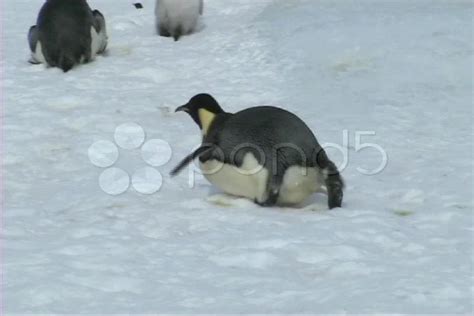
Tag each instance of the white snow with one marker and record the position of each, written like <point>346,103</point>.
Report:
<point>402,243</point>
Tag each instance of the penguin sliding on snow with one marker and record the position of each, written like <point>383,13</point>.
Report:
<point>67,33</point>
<point>175,18</point>
<point>264,153</point>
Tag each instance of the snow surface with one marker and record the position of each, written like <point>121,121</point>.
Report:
<point>401,244</point>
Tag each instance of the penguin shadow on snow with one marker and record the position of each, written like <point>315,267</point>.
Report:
<point>221,199</point>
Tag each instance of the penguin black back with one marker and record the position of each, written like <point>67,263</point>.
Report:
<point>266,131</point>
<point>64,31</point>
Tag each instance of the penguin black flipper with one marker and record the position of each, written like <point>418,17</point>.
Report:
<point>33,42</point>
<point>99,20</point>
<point>100,28</point>
<point>33,37</point>
<point>186,161</point>
<point>201,7</point>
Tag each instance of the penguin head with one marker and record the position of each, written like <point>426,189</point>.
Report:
<point>203,109</point>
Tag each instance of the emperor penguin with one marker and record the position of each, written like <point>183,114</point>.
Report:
<point>263,153</point>
<point>175,18</point>
<point>67,33</point>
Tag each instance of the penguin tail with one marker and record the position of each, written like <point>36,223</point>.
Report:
<point>66,62</point>
<point>334,185</point>
<point>178,32</point>
<point>64,56</point>
<point>332,178</point>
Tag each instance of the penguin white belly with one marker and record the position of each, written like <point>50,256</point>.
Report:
<point>298,184</point>
<point>178,12</point>
<point>98,41</point>
<point>37,56</point>
<point>249,181</point>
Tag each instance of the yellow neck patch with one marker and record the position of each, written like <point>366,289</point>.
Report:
<point>206,118</point>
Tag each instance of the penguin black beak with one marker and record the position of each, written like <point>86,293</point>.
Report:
<point>183,108</point>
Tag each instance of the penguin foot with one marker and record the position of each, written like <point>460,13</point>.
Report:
<point>163,31</point>
<point>315,208</point>
<point>33,61</point>
<point>268,203</point>
<point>265,204</point>
<point>273,191</point>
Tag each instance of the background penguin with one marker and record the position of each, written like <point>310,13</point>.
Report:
<point>177,17</point>
<point>67,33</point>
<point>263,153</point>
